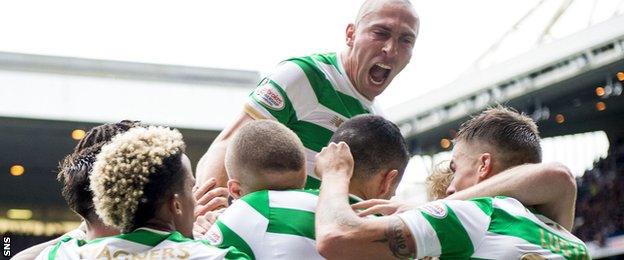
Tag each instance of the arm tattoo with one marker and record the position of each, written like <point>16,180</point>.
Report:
<point>397,241</point>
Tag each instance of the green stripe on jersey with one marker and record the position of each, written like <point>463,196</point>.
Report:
<point>454,240</point>
<point>54,251</point>
<point>312,136</point>
<point>292,221</point>
<point>504,223</point>
<point>329,59</point>
<point>144,237</point>
<point>312,183</point>
<point>325,92</point>
<point>234,240</point>
<point>258,200</point>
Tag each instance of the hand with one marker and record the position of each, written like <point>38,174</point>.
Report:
<point>383,207</point>
<point>334,159</point>
<point>204,222</point>
<point>210,197</point>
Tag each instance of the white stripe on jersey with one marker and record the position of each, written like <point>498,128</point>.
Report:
<point>323,116</point>
<point>286,246</point>
<point>293,200</point>
<point>472,218</point>
<point>491,248</point>
<point>310,156</point>
<point>427,243</point>
<point>236,218</point>
<point>291,78</point>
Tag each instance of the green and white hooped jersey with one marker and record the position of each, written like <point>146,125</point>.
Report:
<point>489,228</point>
<point>270,224</point>
<point>143,243</point>
<point>312,96</point>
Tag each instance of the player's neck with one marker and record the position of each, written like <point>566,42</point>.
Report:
<point>358,190</point>
<point>96,229</point>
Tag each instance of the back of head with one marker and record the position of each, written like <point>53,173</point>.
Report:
<point>376,144</point>
<point>135,174</point>
<point>75,168</point>
<point>513,136</point>
<point>265,154</point>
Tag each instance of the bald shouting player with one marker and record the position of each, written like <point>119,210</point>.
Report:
<point>313,95</point>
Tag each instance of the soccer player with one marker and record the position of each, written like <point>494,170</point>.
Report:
<point>73,174</point>
<point>142,185</point>
<point>313,95</point>
<point>273,217</point>
<point>490,228</point>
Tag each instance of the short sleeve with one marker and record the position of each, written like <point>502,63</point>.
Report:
<point>274,96</point>
<point>448,228</point>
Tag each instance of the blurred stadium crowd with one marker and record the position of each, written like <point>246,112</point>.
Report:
<point>600,201</point>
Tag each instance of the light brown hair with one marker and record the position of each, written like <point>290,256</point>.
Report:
<point>514,135</point>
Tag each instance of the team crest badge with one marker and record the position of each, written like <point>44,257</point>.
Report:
<point>435,209</point>
<point>269,96</point>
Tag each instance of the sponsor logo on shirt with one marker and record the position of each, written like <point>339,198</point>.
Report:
<point>435,209</point>
<point>269,96</point>
<point>214,236</point>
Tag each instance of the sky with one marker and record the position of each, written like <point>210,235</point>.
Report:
<point>250,35</point>
<point>256,35</point>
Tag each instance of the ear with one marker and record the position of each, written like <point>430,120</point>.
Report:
<point>234,188</point>
<point>388,181</point>
<point>349,33</point>
<point>485,166</point>
<point>175,205</point>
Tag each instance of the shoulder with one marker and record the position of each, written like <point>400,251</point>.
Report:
<point>65,247</point>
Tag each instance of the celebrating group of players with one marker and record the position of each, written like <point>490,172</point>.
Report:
<point>307,172</point>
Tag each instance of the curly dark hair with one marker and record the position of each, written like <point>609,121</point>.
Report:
<point>74,169</point>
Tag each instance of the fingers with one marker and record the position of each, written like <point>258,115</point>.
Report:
<point>385,210</point>
<point>368,203</point>
<point>199,191</point>
<point>214,204</point>
<point>208,196</point>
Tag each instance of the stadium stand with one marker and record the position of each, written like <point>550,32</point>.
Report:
<point>600,202</point>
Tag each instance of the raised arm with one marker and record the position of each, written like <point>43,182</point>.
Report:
<point>340,233</point>
<point>548,187</point>
<point>212,163</point>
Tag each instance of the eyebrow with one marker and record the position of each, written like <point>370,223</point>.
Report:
<point>386,28</point>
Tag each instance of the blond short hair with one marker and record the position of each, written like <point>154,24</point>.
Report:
<point>438,181</point>
<point>123,168</point>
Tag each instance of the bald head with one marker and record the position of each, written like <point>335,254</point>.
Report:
<point>371,6</point>
<point>264,155</point>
